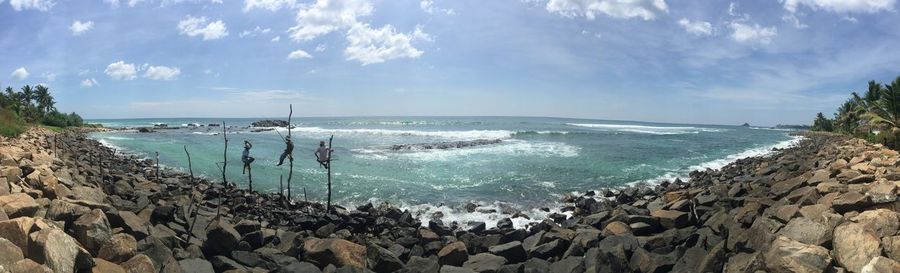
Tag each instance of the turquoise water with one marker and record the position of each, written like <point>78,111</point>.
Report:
<point>537,160</point>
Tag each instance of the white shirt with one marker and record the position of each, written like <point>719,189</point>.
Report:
<point>324,153</point>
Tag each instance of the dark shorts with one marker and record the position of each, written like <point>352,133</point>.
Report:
<point>247,159</point>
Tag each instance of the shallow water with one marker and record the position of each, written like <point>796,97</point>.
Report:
<point>537,160</point>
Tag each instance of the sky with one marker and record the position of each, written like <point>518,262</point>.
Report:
<point>765,62</point>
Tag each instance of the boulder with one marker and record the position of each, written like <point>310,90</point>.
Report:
<point>806,231</point>
<point>58,251</point>
<point>103,266</point>
<point>18,204</point>
<point>787,255</point>
<point>418,264</point>
<point>196,266</point>
<point>882,192</point>
<point>454,254</point>
<point>671,218</point>
<point>513,251</point>
<point>92,230</point>
<point>337,252</point>
<point>9,253</point>
<point>133,224</point>
<point>891,247</point>
<point>882,222</point>
<point>29,266</point>
<point>554,248</point>
<point>854,246</point>
<point>382,260</point>
<point>616,228</point>
<point>536,265</point>
<point>119,248</point>
<point>65,211</point>
<point>16,231</point>
<point>485,263</point>
<point>221,239</point>
<point>881,264</point>
<point>744,263</point>
<point>851,201</point>
<point>455,269</point>
<point>139,263</point>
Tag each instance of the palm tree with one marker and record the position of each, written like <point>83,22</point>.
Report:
<point>27,94</point>
<point>885,113</point>
<point>44,99</point>
<point>14,99</point>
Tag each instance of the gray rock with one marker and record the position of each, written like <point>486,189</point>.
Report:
<point>512,251</point>
<point>196,266</point>
<point>92,230</point>
<point>485,263</point>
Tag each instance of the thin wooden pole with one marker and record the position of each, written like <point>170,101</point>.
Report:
<point>157,168</point>
<point>305,198</point>
<point>281,186</point>
<point>250,176</point>
<point>290,156</point>
<point>224,154</point>
<point>328,208</point>
<point>191,196</point>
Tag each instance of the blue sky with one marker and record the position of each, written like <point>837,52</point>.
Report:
<point>719,62</point>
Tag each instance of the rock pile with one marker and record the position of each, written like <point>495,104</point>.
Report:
<point>269,123</point>
<point>68,204</point>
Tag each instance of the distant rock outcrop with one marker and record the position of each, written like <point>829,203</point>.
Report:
<point>443,145</point>
<point>269,123</point>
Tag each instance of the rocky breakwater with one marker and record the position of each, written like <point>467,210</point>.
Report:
<point>827,205</point>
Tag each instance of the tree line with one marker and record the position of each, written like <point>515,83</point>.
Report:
<point>874,116</point>
<point>34,105</point>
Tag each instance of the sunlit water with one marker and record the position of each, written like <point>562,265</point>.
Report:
<point>538,159</point>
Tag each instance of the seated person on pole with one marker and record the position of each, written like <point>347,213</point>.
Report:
<point>245,156</point>
<point>323,155</point>
<point>288,151</point>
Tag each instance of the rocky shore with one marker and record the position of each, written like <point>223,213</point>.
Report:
<point>68,204</point>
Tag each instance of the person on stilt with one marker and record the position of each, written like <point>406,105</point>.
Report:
<point>323,155</point>
<point>288,151</point>
<point>245,156</point>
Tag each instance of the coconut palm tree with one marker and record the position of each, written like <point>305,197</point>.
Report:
<point>885,113</point>
<point>15,101</point>
<point>27,94</point>
<point>43,98</point>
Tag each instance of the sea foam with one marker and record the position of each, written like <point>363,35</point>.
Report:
<point>643,129</point>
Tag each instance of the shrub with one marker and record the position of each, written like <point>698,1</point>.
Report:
<point>10,123</point>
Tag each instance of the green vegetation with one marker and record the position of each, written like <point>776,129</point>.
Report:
<point>31,105</point>
<point>874,116</point>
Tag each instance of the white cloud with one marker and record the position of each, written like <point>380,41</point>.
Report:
<point>299,54</point>
<point>89,82</point>
<point>321,47</point>
<point>271,5</point>
<point>792,18</point>
<point>326,16</point>
<point>732,9</point>
<point>842,6</point>
<point>420,34</point>
<point>194,26</point>
<point>699,28</point>
<point>121,71</point>
<point>49,76</point>
<point>428,7</point>
<point>41,5</point>
<point>752,33</point>
<point>79,27</point>
<point>162,73</point>
<point>253,32</point>
<point>645,9</point>
<point>369,46</point>
<point>276,39</point>
<point>20,73</point>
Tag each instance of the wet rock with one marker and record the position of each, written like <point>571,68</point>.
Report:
<point>58,251</point>
<point>338,252</point>
<point>854,246</point>
<point>18,204</point>
<point>92,230</point>
<point>196,266</point>
<point>485,263</point>
<point>786,255</point>
<point>454,254</point>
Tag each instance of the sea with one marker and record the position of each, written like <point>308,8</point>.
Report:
<point>535,162</point>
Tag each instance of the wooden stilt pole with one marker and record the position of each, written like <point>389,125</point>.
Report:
<point>328,207</point>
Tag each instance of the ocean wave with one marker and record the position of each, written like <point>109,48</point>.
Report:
<point>488,212</point>
<point>462,135</point>
<point>643,129</point>
<point>520,133</point>
<point>507,148</point>
<point>722,162</point>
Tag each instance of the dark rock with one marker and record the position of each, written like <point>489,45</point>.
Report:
<point>512,251</point>
<point>221,239</point>
<point>485,263</point>
<point>454,254</point>
<point>536,265</point>
<point>421,265</point>
<point>568,265</point>
<point>92,230</point>
<point>196,266</point>
<point>549,250</point>
<point>381,260</point>
<point>671,218</point>
<point>851,201</point>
